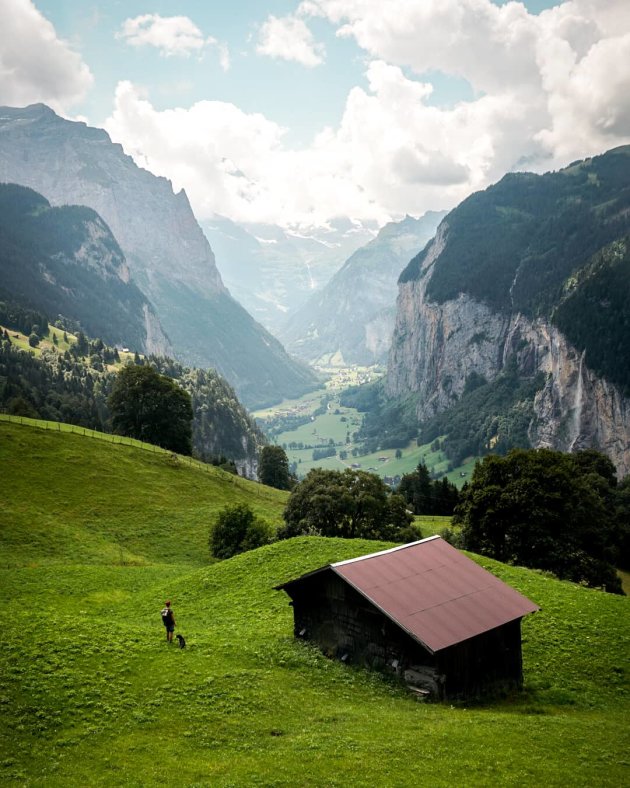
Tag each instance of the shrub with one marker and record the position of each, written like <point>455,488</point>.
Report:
<point>237,530</point>
<point>351,504</point>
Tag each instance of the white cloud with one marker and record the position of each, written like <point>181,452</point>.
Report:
<point>390,155</point>
<point>289,38</point>
<point>170,35</point>
<point>567,66</point>
<point>588,100</point>
<point>35,65</point>
<point>224,55</point>
<point>549,88</point>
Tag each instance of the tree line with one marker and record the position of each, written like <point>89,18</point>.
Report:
<point>562,513</point>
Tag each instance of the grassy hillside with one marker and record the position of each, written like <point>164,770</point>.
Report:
<point>92,695</point>
<point>71,498</point>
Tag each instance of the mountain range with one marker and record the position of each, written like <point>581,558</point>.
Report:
<point>351,319</point>
<point>273,271</point>
<point>511,325</point>
<point>167,254</point>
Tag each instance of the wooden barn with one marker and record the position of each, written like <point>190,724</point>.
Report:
<point>424,611</point>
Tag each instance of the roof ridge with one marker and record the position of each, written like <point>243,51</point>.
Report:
<point>384,552</point>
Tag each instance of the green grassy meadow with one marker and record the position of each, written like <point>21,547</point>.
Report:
<point>95,536</point>
<point>20,340</point>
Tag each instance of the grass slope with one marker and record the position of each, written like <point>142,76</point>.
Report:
<point>92,695</point>
<point>78,499</point>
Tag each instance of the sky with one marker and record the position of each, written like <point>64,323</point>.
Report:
<point>300,112</point>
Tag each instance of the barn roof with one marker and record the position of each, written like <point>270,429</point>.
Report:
<point>432,591</point>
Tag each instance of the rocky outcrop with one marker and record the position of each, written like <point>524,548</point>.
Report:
<point>436,347</point>
<point>156,342</point>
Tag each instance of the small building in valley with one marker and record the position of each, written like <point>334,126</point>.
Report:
<point>424,610</point>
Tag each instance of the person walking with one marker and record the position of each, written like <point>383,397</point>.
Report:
<point>168,619</point>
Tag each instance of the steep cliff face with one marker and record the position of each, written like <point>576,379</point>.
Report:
<point>352,317</point>
<point>168,255</point>
<point>438,346</point>
<point>446,332</point>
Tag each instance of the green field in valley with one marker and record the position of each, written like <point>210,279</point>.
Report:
<point>339,425</point>
<point>94,536</point>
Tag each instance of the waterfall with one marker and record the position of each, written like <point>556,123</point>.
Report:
<point>578,404</point>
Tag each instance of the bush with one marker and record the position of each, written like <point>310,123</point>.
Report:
<point>409,533</point>
<point>351,504</point>
<point>237,530</point>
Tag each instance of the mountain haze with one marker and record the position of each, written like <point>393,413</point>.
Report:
<point>528,280</point>
<point>167,253</point>
<point>351,319</point>
<point>273,271</point>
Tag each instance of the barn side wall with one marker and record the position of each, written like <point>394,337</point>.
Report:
<point>490,662</point>
<point>345,625</point>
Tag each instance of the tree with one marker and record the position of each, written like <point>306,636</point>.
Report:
<point>548,510</point>
<point>236,530</point>
<point>273,468</point>
<point>152,408</point>
<point>33,340</point>
<point>348,503</point>
<point>18,406</point>
<point>81,345</point>
<point>426,496</point>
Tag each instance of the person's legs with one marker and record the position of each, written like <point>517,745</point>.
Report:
<point>169,634</point>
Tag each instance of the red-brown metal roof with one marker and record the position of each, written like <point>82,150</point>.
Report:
<point>434,592</point>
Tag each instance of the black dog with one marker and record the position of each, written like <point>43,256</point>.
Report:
<point>181,641</point>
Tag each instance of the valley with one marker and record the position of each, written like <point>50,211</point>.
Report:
<point>319,423</point>
<point>315,326</point>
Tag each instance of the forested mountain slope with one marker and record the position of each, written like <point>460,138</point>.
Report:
<point>168,255</point>
<point>65,261</point>
<point>530,277</point>
<point>69,380</point>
